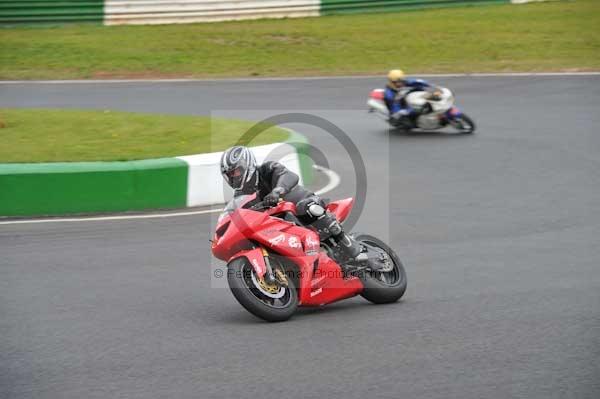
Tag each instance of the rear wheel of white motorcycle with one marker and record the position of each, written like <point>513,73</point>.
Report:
<point>269,301</point>
<point>383,287</point>
<point>463,124</point>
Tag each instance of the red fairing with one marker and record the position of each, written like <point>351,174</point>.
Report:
<point>283,238</point>
<point>328,284</point>
<point>377,94</point>
<point>341,209</point>
<point>256,259</point>
<point>311,243</point>
<point>234,232</point>
<point>282,207</point>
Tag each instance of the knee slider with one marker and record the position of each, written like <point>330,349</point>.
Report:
<point>303,206</point>
<point>315,210</point>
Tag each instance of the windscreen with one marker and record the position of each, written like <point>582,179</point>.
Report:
<point>237,202</point>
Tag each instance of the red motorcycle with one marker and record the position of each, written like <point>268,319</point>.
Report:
<point>275,263</point>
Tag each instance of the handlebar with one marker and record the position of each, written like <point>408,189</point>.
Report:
<point>259,206</point>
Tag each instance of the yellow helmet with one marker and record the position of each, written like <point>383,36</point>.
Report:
<point>395,76</point>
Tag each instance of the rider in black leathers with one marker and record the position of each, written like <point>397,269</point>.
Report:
<point>272,181</point>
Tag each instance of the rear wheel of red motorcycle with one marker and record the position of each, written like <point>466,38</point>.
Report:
<point>270,302</point>
<point>383,287</point>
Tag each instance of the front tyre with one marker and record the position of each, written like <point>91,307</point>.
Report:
<point>382,287</point>
<point>463,124</point>
<point>271,302</point>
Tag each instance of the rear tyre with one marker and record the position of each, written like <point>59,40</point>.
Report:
<point>270,302</point>
<point>383,287</point>
<point>464,124</point>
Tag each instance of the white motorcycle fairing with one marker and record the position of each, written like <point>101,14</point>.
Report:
<point>417,100</point>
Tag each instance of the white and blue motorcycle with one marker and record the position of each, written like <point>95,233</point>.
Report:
<point>435,110</point>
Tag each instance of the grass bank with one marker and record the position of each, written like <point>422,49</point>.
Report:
<point>553,36</point>
<point>47,135</point>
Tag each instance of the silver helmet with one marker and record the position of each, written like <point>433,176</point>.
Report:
<point>238,167</point>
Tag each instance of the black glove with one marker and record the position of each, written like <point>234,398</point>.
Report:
<point>272,198</point>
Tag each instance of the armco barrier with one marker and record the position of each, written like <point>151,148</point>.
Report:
<point>143,12</point>
<point>137,12</point>
<point>86,187</point>
<point>51,11</point>
<point>330,7</point>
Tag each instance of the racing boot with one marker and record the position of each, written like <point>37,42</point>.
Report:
<point>328,226</point>
<point>350,248</point>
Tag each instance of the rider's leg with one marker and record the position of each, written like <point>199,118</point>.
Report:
<point>404,117</point>
<point>312,210</point>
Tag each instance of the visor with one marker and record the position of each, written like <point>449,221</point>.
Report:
<point>235,177</point>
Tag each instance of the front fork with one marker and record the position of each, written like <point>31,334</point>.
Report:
<point>269,274</point>
<point>261,263</point>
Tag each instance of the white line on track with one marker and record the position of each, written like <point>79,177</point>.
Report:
<point>104,218</point>
<point>334,181</point>
<point>277,79</point>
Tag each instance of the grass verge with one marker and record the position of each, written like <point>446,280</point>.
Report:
<point>554,36</point>
<point>48,135</point>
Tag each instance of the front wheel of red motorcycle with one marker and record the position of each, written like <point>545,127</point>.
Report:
<point>276,301</point>
<point>383,287</point>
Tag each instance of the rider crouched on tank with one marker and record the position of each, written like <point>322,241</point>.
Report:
<point>397,88</point>
<point>271,181</point>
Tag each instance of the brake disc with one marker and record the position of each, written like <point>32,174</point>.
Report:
<point>271,290</point>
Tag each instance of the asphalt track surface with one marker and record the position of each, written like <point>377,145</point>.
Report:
<point>499,232</point>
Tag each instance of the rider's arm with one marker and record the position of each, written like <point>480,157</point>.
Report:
<point>417,83</point>
<point>280,176</point>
